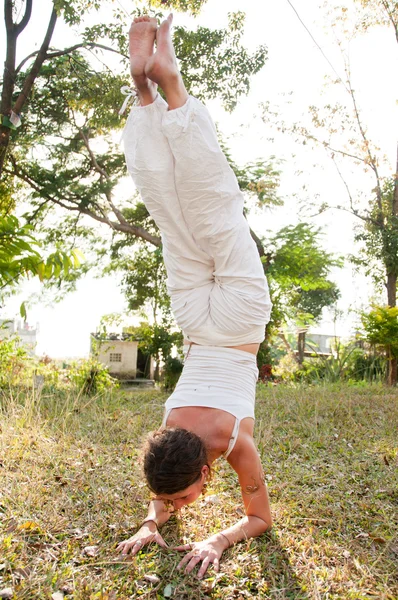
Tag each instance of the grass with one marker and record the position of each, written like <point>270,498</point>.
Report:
<point>70,479</point>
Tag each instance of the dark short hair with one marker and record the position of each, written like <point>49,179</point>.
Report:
<point>173,460</point>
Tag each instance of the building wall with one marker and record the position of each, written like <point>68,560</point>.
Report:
<point>119,356</point>
<point>26,333</point>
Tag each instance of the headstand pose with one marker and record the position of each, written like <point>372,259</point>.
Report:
<point>219,298</point>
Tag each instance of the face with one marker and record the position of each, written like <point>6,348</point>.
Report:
<point>189,495</point>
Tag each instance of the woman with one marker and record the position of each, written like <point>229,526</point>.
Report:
<point>219,297</point>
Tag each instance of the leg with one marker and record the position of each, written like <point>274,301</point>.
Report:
<point>151,165</point>
<point>212,207</point>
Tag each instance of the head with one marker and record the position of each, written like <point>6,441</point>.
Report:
<point>175,465</point>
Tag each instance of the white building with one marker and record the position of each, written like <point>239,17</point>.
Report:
<point>21,329</point>
<point>122,356</point>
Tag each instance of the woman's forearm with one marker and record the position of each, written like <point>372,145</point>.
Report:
<point>244,529</point>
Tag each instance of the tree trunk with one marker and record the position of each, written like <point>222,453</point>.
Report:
<point>301,346</point>
<point>392,371</point>
<point>13,31</point>
<point>392,289</point>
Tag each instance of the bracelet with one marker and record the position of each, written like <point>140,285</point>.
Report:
<point>229,543</point>
<point>147,520</point>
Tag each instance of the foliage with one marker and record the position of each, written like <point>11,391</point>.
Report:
<point>155,339</point>
<point>217,58</point>
<point>19,256</point>
<point>171,372</point>
<point>379,249</point>
<point>339,129</point>
<point>15,363</point>
<point>287,368</point>
<point>91,377</point>
<point>298,270</point>
<point>381,328</point>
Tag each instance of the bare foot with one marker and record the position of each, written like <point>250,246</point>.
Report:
<point>162,67</point>
<point>141,43</point>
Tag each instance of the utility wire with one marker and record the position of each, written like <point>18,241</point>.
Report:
<point>315,42</point>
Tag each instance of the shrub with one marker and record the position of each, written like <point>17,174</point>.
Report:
<point>91,376</point>
<point>171,372</point>
<point>16,366</point>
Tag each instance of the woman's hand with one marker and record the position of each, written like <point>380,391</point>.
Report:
<point>147,534</point>
<point>208,552</point>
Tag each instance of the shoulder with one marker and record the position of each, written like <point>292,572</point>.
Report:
<point>245,450</point>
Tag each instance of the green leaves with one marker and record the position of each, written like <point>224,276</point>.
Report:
<point>20,257</point>
<point>298,269</point>
<point>214,63</point>
<point>381,327</point>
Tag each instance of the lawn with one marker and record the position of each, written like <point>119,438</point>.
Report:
<point>71,488</point>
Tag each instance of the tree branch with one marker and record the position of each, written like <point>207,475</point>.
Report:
<point>40,58</point>
<point>125,227</point>
<point>8,16</point>
<point>56,53</point>
<point>391,17</point>
<point>104,174</point>
<point>25,19</point>
<point>353,210</point>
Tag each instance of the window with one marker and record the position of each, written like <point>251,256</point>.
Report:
<point>115,357</point>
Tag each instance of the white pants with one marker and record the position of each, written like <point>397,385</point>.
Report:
<point>218,290</point>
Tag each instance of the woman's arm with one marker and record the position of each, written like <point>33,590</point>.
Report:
<point>246,462</point>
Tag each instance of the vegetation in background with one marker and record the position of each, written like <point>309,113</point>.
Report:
<point>340,130</point>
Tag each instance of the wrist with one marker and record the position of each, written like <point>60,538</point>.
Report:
<point>150,523</point>
<point>223,540</point>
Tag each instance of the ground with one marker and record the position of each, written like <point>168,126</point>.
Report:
<point>71,488</point>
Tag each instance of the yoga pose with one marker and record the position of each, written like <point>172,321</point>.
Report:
<point>219,298</point>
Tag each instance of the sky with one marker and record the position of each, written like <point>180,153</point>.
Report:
<point>292,79</point>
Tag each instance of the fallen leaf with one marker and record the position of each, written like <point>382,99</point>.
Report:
<point>66,589</point>
<point>2,566</point>
<point>378,539</point>
<point>57,596</point>
<point>346,554</point>
<point>386,461</point>
<point>29,526</point>
<point>168,591</point>
<point>21,573</point>
<point>91,550</point>
<point>213,499</point>
<point>11,526</point>
<point>6,593</point>
<point>152,578</point>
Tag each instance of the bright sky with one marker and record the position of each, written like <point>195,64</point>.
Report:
<point>295,66</point>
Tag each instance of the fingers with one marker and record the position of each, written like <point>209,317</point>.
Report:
<point>182,548</point>
<point>160,541</point>
<point>125,547</point>
<point>203,568</point>
<point>186,559</point>
<point>192,563</point>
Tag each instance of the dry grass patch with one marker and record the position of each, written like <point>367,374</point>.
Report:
<point>71,489</point>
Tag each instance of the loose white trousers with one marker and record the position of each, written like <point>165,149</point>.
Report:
<point>219,294</point>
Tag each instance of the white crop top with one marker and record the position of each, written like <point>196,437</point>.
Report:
<point>217,377</point>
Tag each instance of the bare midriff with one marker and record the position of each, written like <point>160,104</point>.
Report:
<point>252,348</point>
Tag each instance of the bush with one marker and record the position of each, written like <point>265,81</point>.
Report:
<point>171,372</point>
<point>91,376</point>
<point>16,366</point>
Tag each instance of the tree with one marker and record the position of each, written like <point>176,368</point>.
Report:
<point>20,257</point>
<point>341,131</point>
<point>381,329</point>
<point>75,102</point>
<point>298,271</point>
